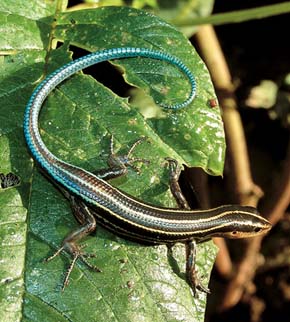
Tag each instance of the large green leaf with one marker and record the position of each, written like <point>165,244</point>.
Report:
<point>138,283</point>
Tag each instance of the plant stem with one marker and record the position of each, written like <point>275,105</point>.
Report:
<point>236,16</point>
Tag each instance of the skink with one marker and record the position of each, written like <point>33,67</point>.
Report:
<point>94,200</point>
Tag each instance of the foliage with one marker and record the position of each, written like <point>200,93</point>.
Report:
<point>137,283</point>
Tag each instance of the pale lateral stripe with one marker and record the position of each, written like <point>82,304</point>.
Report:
<point>139,215</point>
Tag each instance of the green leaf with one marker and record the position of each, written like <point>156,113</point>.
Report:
<point>138,283</point>
<point>33,9</point>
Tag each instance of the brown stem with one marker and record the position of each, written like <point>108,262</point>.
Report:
<point>245,271</point>
<point>247,191</point>
<point>223,263</point>
<point>274,211</point>
<point>277,204</point>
